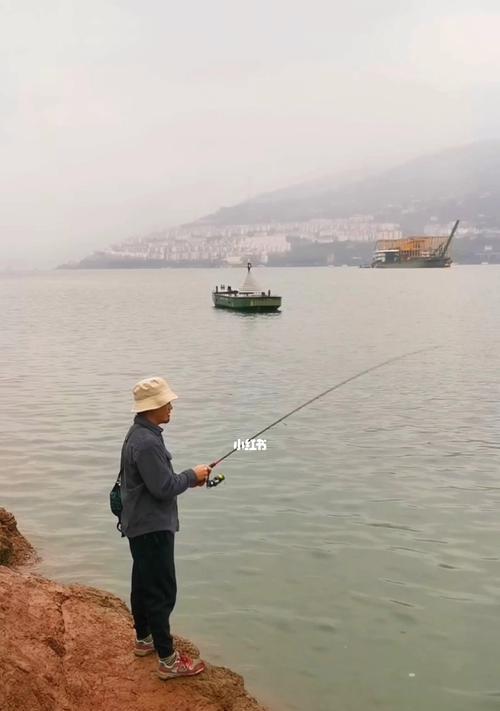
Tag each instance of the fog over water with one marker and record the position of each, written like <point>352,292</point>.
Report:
<point>121,118</point>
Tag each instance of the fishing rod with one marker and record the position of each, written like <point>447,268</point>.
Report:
<point>220,477</point>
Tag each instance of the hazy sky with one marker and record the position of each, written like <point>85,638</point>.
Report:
<point>118,118</point>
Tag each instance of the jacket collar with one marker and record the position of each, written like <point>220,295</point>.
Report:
<point>144,422</point>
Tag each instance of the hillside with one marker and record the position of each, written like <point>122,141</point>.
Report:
<point>337,219</point>
<point>463,181</point>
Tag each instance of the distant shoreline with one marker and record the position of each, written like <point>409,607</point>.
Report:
<point>142,266</point>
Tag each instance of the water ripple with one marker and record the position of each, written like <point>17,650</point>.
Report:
<point>364,540</point>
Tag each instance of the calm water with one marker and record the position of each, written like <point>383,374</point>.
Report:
<point>352,565</point>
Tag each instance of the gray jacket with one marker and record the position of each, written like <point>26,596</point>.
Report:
<point>149,486</point>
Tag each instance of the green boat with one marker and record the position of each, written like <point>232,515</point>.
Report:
<point>250,298</point>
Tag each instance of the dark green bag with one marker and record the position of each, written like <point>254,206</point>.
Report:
<point>115,501</point>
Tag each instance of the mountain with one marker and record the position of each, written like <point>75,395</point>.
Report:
<point>457,182</point>
<point>430,192</point>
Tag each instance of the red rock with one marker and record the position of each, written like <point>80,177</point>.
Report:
<point>69,648</point>
<point>14,548</point>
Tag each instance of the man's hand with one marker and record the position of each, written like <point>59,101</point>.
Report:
<point>202,472</point>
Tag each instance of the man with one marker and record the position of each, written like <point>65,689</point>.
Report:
<point>149,519</point>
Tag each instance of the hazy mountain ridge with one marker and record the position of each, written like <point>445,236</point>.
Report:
<point>425,195</point>
<point>457,182</point>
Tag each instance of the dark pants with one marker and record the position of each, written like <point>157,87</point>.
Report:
<point>154,588</point>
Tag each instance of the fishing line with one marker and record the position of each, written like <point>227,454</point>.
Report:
<point>220,477</point>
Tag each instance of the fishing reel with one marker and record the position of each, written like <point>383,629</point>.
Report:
<point>218,479</point>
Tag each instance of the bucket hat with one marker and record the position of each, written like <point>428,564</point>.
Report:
<point>151,394</point>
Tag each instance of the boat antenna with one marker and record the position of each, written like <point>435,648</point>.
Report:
<point>325,392</point>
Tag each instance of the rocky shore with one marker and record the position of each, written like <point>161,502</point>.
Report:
<point>68,648</point>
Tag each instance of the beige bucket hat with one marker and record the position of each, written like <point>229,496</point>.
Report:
<point>152,393</point>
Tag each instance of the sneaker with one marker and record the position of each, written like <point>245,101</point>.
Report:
<point>143,647</point>
<point>179,665</point>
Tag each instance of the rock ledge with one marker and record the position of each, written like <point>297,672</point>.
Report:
<point>68,648</point>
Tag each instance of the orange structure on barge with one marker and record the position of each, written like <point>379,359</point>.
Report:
<point>413,251</point>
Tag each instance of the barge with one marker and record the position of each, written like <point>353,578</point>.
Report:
<point>250,298</point>
<point>414,252</point>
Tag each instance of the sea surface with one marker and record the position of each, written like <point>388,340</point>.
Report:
<point>352,565</point>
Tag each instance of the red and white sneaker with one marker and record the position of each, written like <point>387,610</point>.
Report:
<point>143,647</point>
<point>179,665</point>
